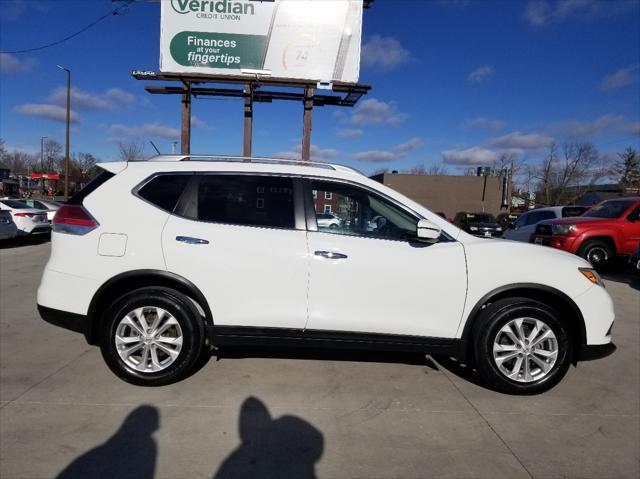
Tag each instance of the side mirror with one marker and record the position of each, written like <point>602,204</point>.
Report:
<point>428,231</point>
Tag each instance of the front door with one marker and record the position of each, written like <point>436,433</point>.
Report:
<point>369,274</point>
<point>237,239</point>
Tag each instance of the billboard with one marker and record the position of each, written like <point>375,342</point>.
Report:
<point>315,40</point>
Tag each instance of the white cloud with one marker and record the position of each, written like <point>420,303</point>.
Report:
<point>12,64</point>
<point>376,112</point>
<point>148,130</point>
<point>384,53</point>
<point>84,100</point>
<point>522,141</point>
<point>47,111</point>
<point>482,74</point>
<point>476,156</point>
<point>633,128</point>
<point>580,128</point>
<point>317,153</point>
<point>196,122</point>
<point>483,123</point>
<point>120,97</point>
<point>619,79</point>
<point>395,153</point>
<point>349,132</point>
<point>540,13</point>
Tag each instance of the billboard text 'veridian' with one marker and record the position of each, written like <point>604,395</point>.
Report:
<point>212,7</point>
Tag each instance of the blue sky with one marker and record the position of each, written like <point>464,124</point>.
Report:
<point>457,82</point>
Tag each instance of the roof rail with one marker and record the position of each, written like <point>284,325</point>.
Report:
<point>254,159</point>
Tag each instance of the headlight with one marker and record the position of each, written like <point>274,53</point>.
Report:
<point>499,228</point>
<point>473,228</point>
<point>562,229</point>
<point>592,276</point>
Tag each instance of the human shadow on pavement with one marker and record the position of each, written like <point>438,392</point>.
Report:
<point>130,453</point>
<point>287,446</point>
<point>632,279</point>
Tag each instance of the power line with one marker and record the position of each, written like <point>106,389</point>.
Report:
<point>113,12</point>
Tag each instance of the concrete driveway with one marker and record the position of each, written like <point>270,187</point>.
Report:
<point>328,415</point>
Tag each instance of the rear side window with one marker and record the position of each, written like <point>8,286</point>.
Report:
<point>246,200</point>
<point>164,191</point>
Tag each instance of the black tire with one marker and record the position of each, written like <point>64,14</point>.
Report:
<point>598,253</point>
<point>191,326</point>
<point>496,316</point>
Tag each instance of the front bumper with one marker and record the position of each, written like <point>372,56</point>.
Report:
<point>596,351</point>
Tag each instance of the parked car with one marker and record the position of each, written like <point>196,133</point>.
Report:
<point>525,225</point>
<point>8,228</point>
<point>50,206</point>
<point>28,220</point>
<point>607,230</point>
<point>507,219</point>
<point>478,224</point>
<point>328,220</point>
<point>157,261</point>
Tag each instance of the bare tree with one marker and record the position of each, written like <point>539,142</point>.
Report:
<point>130,150</point>
<point>52,153</point>
<point>626,169</point>
<point>564,175</point>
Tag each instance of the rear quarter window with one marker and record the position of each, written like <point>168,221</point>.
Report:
<point>165,190</point>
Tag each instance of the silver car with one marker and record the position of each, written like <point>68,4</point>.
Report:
<point>8,228</point>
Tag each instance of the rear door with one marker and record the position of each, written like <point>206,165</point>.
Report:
<point>373,276</point>
<point>238,239</point>
<point>631,232</point>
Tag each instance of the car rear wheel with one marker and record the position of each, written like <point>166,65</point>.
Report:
<point>596,252</point>
<point>152,337</point>
<point>522,346</point>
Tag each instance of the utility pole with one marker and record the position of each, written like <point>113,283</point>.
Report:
<point>66,153</point>
<point>42,138</point>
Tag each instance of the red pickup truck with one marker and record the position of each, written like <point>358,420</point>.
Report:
<point>609,229</point>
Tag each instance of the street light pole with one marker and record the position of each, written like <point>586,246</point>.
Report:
<point>66,154</point>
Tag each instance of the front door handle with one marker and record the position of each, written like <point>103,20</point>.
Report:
<point>190,240</point>
<point>331,255</point>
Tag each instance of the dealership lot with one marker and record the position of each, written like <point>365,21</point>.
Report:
<point>340,415</point>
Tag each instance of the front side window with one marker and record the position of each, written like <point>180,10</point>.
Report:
<point>245,200</point>
<point>571,211</point>
<point>357,212</point>
<point>164,191</point>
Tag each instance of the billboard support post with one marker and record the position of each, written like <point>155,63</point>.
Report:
<point>306,124</point>
<point>185,123</point>
<point>248,120</point>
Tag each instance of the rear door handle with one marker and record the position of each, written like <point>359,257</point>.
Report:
<point>190,240</point>
<point>331,255</point>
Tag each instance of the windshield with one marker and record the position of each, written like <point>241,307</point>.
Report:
<point>609,209</point>
<point>481,218</point>
<point>15,204</point>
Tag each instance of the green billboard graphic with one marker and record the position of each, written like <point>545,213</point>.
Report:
<point>218,50</point>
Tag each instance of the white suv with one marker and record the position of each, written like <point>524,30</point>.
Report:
<point>158,261</point>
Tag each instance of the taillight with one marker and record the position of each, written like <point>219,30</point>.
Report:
<point>25,215</point>
<point>73,219</point>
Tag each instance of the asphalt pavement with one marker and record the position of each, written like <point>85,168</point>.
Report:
<point>258,414</point>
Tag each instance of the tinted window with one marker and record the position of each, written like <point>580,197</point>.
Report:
<point>16,204</point>
<point>481,218</point>
<point>93,185</point>
<point>634,215</point>
<point>164,191</point>
<point>360,213</point>
<point>570,211</point>
<point>609,209</point>
<point>537,216</point>
<point>246,200</point>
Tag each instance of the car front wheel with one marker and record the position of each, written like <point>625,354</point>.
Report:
<point>152,337</point>
<point>522,346</point>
